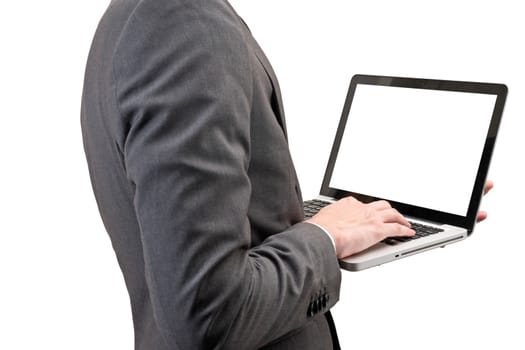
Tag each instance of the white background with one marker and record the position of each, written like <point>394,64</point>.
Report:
<point>60,284</point>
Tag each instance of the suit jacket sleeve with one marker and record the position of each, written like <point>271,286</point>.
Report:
<point>184,88</point>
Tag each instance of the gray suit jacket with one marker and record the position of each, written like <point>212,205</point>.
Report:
<point>184,134</point>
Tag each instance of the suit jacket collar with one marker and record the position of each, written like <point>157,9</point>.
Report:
<point>277,104</point>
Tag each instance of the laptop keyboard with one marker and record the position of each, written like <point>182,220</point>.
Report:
<point>312,207</point>
<point>421,231</point>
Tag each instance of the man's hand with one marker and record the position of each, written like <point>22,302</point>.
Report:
<point>482,215</point>
<point>355,226</point>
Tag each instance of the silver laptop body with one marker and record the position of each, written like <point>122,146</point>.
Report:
<point>424,145</point>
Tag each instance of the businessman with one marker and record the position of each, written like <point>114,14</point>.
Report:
<point>185,138</point>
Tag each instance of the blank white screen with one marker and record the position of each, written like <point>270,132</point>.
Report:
<point>415,146</point>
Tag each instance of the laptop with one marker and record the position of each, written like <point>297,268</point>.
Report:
<point>424,145</point>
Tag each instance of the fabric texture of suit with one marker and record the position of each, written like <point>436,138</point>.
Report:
<point>185,138</point>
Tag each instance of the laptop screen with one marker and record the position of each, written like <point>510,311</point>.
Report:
<point>416,143</point>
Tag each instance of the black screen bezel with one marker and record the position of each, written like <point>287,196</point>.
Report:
<point>468,222</point>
